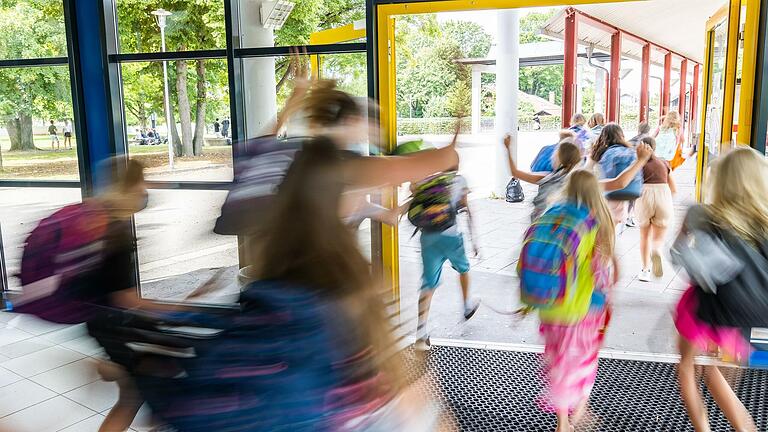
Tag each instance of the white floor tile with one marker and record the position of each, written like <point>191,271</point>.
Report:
<point>42,361</point>
<point>9,335</point>
<point>69,377</point>
<point>84,345</point>
<point>24,347</point>
<point>66,334</point>
<point>98,395</point>
<point>20,395</point>
<point>50,415</point>
<point>33,325</point>
<point>91,424</point>
<point>8,377</point>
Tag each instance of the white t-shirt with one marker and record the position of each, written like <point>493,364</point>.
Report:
<point>459,189</point>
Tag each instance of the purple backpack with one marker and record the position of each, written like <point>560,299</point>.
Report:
<point>58,252</point>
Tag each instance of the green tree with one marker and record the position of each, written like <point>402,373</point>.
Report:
<point>472,39</point>
<point>31,29</point>
<point>539,80</point>
<point>459,99</point>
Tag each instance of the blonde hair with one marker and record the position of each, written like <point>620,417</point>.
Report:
<point>597,120</point>
<point>578,119</point>
<point>672,121</point>
<point>583,189</point>
<point>739,194</point>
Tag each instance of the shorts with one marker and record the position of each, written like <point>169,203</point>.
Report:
<point>436,249</point>
<point>618,210</point>
<point>67,134</point>
<point>655,206</point>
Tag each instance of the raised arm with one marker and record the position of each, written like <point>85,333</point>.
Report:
<point>517,173</point>
<point>644,152</point>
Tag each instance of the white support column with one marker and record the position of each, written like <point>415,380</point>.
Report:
<point>507,87</point>
<point>259,73</point>
<point>600,90</point>
<point>476,99</point>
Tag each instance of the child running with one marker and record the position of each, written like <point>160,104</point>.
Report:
<point>655,211</point>
<point>573,326</point>
<point>439,244</point>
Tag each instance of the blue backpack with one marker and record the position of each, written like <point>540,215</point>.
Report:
<point>543,160</point>
<point>615,160</point>
<point>551,257</point>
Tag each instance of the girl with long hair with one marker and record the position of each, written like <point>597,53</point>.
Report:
<point>669,136</point>
<point>739,207</point>
<point>612,151</point>
<point>571,348</point>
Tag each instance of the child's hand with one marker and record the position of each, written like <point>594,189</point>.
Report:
<point>644,152</point>
<point>508,141</point>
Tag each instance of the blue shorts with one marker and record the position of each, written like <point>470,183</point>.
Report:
<point>436,249</point>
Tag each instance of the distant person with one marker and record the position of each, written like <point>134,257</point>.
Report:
<point>536,122</point>
<point>596,124</point>
<point>67,135</point>
<point>216,127</point>
<point>53,133</point>
<point>669,137</point>
<point>643,130</point>
<point>655,212</point>
<point>225,128</point>
<point>583,134</point>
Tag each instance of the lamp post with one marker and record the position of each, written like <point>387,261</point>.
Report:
<point>160,19</point>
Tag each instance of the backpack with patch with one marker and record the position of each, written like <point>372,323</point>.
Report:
<point>432,208</point>
<point>515,192</point>
<point>555,263</point>
<point>57,253</point>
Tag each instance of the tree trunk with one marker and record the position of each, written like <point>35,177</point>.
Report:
<point>199,139</point>
<point>185,113</point>
<point>20,132</point>
<point>175,139</point>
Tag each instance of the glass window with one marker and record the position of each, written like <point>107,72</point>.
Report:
<point>37,136</point>
<point>32,29</point>
<point>309,22</point>
<point>20,211</point>
<point>199,97</point>
<point>350,71</point>
<point>191,25</point>
<point>177,248</point>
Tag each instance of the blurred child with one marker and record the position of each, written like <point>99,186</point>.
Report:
<point>643,129</point>
<point>583,135</point>
<point>543,162</point>
<point>433,210</point>
<point>567,267</point>
<point>655,211</point>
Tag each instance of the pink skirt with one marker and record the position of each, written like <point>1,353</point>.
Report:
<point>706,337</point>
<point>570,361</point>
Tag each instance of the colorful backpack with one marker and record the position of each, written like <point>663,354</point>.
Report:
<point>61,249</point>
<point>555,270</point>
<point>432,209</point>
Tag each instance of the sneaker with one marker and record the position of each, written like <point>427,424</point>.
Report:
<point>658,271</point>
<point>631,222</point>
<point>422,344</point>
<point>644,276</point>
<point>470,308</point>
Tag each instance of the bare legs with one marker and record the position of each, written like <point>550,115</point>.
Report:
<point>651,239</point>
<point>129,400</point>
<point>464,280</point>
<point>721,391</point>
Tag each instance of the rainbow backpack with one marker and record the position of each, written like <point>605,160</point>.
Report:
<point>432,209</point>
<point>555,266</point>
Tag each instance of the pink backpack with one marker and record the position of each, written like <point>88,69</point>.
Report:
<point>62,248</point>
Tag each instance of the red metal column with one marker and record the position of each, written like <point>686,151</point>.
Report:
<point>683,89</point>
<point>695,98</point>
<point>666,85</point>
<point>614,90</point>
<point>645,77</point>
<point>570,59</point>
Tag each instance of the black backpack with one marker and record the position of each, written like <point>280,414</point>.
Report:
<point>515,191</point>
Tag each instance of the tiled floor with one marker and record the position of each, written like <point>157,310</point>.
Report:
<point>48,381</point>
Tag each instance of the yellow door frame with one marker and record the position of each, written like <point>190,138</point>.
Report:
<point>387,84</point>
<point>347,33</point>
<point>732,13</point>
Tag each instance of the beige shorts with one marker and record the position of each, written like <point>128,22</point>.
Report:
<point>655,206</point>
<point>618,210</point>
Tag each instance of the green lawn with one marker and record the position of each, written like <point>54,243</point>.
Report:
<point>44,152</point>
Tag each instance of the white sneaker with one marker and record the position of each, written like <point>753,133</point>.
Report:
<point>631,222</point>
<point>422,344</point>
<point>470,308</point>
<point>644,276</point>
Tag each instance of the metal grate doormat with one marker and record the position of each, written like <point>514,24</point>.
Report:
<point>488,390</point>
